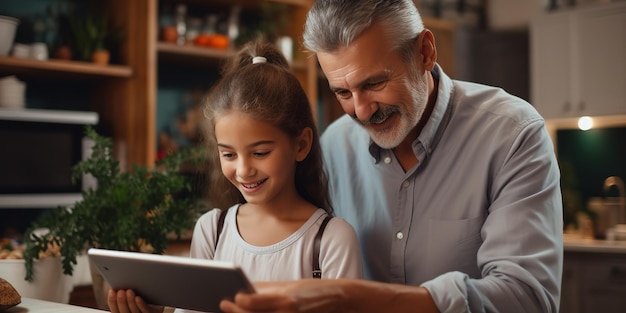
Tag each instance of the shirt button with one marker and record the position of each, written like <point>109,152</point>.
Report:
<point>387,160</point>
<point>406,184</point>
<point>399,235</point>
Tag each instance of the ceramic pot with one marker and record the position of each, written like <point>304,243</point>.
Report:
<point>63,53</point>
<point>100,57</point>
<point>49,283</point>
<point>8,26</point>
<point>607,211</point>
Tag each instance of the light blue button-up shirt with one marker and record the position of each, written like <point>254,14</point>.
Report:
<point>478,221</point>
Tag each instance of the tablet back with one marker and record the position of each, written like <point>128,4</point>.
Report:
<point>172,281</point>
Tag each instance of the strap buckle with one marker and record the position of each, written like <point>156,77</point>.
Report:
<point>317,274</point>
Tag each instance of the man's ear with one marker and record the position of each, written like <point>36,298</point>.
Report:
<point>303,143</point>
<point>426,50</point>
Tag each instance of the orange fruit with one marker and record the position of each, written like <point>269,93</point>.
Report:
<point>203,40</point>
<point>219,41</point>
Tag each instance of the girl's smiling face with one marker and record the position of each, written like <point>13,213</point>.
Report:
<point>258,158</point>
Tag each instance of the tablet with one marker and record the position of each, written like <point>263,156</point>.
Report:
<point>179,282</point>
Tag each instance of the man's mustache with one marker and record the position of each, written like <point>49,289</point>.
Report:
<point>378,116</point>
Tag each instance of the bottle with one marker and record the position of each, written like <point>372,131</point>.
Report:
<point>181,24</point>
<point>210,26</point>
<point>233,23</point>
<point>193,29</point>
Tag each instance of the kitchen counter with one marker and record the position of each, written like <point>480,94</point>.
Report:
<point>30,305</point>
<point>578,244</point>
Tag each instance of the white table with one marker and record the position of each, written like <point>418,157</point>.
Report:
<point>30,305</point>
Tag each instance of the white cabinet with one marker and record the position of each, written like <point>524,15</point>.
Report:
<point>593,282</point>
<point>550,64</point>
<point>577,61</point>
<point>570,285</point>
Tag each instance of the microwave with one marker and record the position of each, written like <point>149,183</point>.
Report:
<point>40,148</point>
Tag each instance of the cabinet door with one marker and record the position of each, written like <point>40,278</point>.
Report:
<point>601,43</point>
<point>551,64</point>
<point>570,286</point>
<point>578,64</point>
<point>604,287</point>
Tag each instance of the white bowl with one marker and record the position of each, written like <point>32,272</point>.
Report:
<point>8,26</point>
<point>620,232</point>
<point>49,281</point>
<point>12,96</point>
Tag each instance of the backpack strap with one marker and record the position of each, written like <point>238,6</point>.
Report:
<point>317,243</point>
<point>220,225</point>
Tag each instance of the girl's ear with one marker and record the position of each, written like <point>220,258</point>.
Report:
<point>303,143</point>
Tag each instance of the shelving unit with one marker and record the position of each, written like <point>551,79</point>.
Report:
<point>191,59</point>
<point>125,95</point>
<point>184,71</point>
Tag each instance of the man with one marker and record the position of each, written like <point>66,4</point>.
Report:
<point>453,187</point>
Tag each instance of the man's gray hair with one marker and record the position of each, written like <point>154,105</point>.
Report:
<point>332,24</point>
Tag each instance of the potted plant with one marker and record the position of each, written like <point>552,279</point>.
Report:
<point>137,210</point>
<point>274,17</point>
<point>93,37</point>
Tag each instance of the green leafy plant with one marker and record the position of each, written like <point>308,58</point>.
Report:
<point>92,32</point>
<point>138,210</point>
<point>273,19</point>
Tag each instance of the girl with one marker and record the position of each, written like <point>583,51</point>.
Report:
<point>268,148</point>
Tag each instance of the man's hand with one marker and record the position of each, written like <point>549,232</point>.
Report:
<point>331,296</point>
<point>302,296</point>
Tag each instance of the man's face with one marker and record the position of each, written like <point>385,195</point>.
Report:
<point>373,85</point>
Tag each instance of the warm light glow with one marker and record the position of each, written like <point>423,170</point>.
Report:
<point>585,123</point>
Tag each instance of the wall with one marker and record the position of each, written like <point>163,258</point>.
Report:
<point>495,58</point>
<point>506,15</point>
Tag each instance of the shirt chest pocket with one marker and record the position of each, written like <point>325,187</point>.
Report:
<point>453,245</point>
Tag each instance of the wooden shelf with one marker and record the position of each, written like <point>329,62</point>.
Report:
<point>192,54</point>
<point>165,48</point>
<point>301,3</point>
<point>246,3</point>
<point>61,68</point>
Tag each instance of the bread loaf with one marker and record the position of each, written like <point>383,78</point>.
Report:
<point>9,297</point>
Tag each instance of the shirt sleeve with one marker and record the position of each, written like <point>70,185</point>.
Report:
<point>203,238</point>
<point>340,253</point>
<point>521,258</point>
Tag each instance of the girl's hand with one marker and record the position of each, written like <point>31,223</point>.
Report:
<point>125,301</point>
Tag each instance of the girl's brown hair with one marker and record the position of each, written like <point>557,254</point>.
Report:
<point>267,92</point>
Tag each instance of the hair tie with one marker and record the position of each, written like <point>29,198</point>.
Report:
<point>256,60</point>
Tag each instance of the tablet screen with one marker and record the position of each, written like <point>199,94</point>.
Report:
<point>180,282</point>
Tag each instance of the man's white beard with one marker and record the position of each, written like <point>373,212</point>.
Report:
<point>393,137</point>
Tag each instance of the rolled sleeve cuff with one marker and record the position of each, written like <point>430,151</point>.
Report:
<point>449,292</point>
